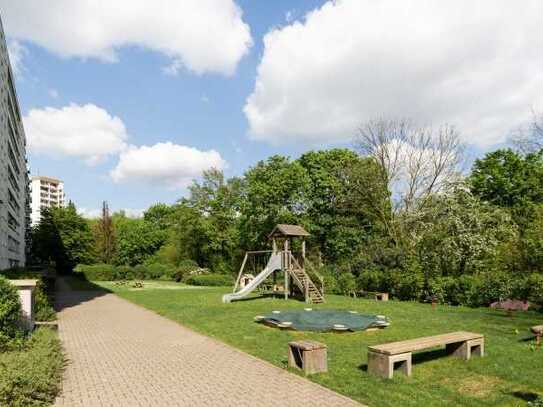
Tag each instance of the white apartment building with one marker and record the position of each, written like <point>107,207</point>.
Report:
<point>14,192</point>
<point>46,193</point>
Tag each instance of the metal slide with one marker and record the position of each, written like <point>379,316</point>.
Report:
<point>274,263</point>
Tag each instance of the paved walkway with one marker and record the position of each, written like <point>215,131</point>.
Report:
<point>123,355</point>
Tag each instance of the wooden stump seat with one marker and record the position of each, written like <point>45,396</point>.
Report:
<point>383,358</point>
<point>381,296</point>
<point>538,331</point>
<point>310,356</point>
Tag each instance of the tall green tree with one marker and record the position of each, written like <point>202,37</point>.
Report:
<point>508,179</point>
<point>273,193</point>
<point>338,229</point>
<point>63,237</point>
<point>136,239</point>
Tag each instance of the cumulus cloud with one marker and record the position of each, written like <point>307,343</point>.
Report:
<point>475,65</point>
<point>17,52</point>
<point>85,131</point>
<point>201,35</point>
<point>166,164</point>
<point>96,213</point>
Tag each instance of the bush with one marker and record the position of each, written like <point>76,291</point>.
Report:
<point>31,376</point>
<point>215,280</point>
<point>10,313</point>
<point>534,288</point>
<point>96,272</point>
<point>406,284</point>
<point>346,283</point>
<point>184,268</point>
<point>371,280</point>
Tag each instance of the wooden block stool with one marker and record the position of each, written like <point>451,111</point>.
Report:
<point>310,356</point>
<point>538,331</point>
<point>381,296</point>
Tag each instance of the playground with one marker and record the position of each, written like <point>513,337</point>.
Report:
<point>509,375</point>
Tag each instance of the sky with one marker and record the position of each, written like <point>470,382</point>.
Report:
<point>128,102</point>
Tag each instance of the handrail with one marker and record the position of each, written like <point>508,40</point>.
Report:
<point>317,274</point>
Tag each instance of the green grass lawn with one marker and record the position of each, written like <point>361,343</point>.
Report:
<point>510,374</point>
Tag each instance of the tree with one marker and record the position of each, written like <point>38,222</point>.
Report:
<point>160,215</point>
<point>136,239</point>
<point>506,178</point>
<point>104,236</point>
<point>338,228</point>
<point>459,234</point>
<point>415,162</point>
<point>273,193</point>
<point>64,238</point>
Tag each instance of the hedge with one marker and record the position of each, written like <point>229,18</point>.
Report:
<point>154,271</point>
<point>31,376</point>
<point>215,280</point>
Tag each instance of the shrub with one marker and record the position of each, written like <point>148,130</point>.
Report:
<point>10,313</point>
<point>96,272</point>
<point>218,280</point>
<point>31,376</point>
<point>406,284</point>
<point>184,268</point>
<point>346,283</point>
<point>124,273</point>
<point>330,279</point>
<point>371,280</point>
<point>534,284</point>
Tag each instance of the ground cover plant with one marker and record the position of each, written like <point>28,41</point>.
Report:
<point>510,375</point>
<point>30,373</point>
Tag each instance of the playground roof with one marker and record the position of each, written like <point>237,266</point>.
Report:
<point>288,230</point>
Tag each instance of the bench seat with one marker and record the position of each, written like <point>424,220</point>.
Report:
<point>382,358</point>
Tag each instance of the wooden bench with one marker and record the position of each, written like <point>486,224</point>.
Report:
<point>310,356</point>
<point>382,358</point>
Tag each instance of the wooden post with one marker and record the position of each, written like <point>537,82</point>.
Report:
<point>303,253</point>
<point>240,272</point>
<point>286,266</point>
<point>274,246</point>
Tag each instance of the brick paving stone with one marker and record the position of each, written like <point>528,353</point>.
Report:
<point>120,354</point>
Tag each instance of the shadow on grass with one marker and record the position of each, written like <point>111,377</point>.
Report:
<point>523,395</point>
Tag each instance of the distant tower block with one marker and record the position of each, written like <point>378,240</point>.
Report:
<point>47,193</point>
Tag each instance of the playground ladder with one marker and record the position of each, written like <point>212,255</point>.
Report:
<point>305,284</point>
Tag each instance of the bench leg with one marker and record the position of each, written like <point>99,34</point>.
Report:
<point>465,349</point>
<point>383,365</point>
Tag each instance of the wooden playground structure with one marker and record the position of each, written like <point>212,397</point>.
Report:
<point>292,264</point>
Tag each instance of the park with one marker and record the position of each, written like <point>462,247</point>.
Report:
<point>271,203</point>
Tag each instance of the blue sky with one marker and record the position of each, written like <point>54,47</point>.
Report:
<point>320,75</point>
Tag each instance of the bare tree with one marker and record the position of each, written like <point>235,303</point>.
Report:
<point>415,161</point>
<point>529,139</point>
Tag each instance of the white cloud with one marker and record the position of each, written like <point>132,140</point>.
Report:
<point>85,131</point>
<point>201,35</point>
<point>96,213</point>
<point>475,65</point>
<point>17,52</point>
<point>166,164</point>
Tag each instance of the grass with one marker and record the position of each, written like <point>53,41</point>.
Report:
<point>510,375</point>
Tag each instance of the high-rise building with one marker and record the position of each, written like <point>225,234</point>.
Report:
<point>14,188</point>
<point>46,193</point>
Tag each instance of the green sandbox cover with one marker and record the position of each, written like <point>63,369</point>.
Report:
<point>324,320</point>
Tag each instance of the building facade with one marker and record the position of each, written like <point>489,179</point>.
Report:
<point>46,193</point>
<point>14,185</point>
